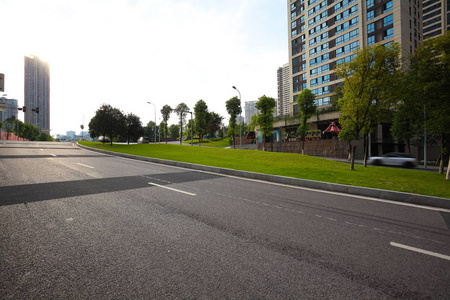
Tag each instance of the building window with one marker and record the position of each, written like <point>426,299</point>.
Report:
<point>371,40</point>
<point>371,28</point>
<point>370,15</point>
<point>388,20</point>
<point>369,3</point>
<point>389,33</point>
<point>387,7</point>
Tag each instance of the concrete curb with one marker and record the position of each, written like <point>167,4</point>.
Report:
<point>332,187</point>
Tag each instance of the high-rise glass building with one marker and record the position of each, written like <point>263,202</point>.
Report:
<point>37,93</point>
<point>324,33</point>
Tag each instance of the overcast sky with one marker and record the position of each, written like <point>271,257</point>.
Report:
<point>128,52</point>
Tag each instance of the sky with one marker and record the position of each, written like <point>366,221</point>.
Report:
<point>129,52</point>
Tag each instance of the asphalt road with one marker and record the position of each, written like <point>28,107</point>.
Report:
<point>76,224</point>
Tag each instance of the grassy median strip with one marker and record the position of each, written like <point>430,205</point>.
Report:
<point>293,165</point>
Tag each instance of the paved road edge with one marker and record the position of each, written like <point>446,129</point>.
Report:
<point>332,187</point>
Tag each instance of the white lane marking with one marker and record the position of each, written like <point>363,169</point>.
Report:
<point>172,189</point>
<point>421,251</point>
<point>285,185</point>
<point>54,155</point>
<point>85,166</point>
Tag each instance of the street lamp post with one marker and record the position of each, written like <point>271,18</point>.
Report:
<point>240,120</point>
<point>155,118</point>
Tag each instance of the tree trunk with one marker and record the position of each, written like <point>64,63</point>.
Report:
<point>447,177</point>
<point>303,143</point>
<point>264,142</point>
<point>349,157</point>
<point>366,144</point>
<point>352,161</point>
<point>441,164</point>
<point>408,145</point>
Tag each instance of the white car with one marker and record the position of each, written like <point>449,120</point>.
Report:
<point>394,159</point>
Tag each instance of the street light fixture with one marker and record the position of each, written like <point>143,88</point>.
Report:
<point>240,120</point>
<point>155,118</point>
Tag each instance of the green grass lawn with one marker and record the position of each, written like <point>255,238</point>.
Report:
<point>293,165</point>
<point>219,143</point>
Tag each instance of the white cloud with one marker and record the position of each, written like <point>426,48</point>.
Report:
<point>126,53</point>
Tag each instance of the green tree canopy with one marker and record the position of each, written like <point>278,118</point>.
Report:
<point>201,114</point>
<point>234,109</point>
<point>307,107</point>
<point>165,112</point>
<point>174,131</point>
<point>213,123</point>
<point>367,88</point>
<point>181,111</point>
<point>429,76</point>
<point>134,127</point>
<point>108,121</point>
<point>265,119</point>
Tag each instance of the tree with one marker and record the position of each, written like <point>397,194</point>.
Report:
<point>200,124</point>
<point>108,121</point>
<point>9,126</point>
<point>133,127</point>
<point>253,123</point>
<point>307,108</point>
<point>174,131</point>
<point>214,122</point>
<point>181,111</point>
<point>367,88</point>
<point>19,128</point>
<point>429,73</point>
<point>149,130</point>
<point>265,106</point>
<point>45,137</point>
<point>234,109</point>
<point>165,112</point>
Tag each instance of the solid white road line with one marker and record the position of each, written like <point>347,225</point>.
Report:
<point>421,251</point>
<point>85,166</point>
<point>166,187</point>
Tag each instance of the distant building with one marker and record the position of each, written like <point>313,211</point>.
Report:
<point>37,93</point>
<point>435,16</point>
<point>284,88</point>
<point>10,108</point>
<point>250,110</point>
<point>70,134</point>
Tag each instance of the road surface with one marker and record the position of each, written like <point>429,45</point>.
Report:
<point>76,224</point>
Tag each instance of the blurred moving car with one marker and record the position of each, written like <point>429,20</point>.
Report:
<point>394,159</point>
<point>143,140</point>
<point>103,139</point>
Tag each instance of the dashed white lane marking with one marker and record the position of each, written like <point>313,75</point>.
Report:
<point>83,165</point>
<point>54,155</point>
<point>446,257</point>
<point>172,189</point>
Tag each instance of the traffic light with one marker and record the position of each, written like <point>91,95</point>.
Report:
<point>24,109</point>
<point>37,110</point>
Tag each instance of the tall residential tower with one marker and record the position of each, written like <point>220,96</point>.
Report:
<point>324,33</point>
<point>37,93</point>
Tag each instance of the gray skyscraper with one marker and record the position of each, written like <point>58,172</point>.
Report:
<point>37,93</point>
